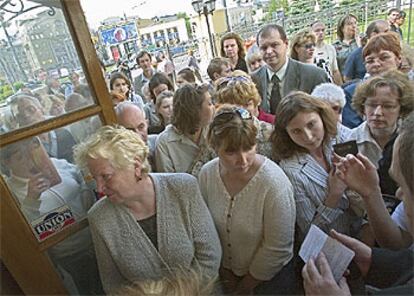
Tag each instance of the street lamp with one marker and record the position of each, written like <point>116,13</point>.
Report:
<point>205,7</point>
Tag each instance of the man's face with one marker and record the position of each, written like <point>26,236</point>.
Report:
<point>145,62</point>
<point>230,48</point>
<point>133,118</point>
<point>392,17</point>
<point>273,49</point>
<point>319,30</point>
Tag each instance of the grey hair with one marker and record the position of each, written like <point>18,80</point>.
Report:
<point>330,93</point>
<point>121,107</point>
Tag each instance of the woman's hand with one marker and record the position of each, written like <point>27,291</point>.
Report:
<point>37,185</point>
<point>359,174</point>
<point>229,280</point>
<point>318,279</point>
<point>336,188</point>
<point>363,253</point>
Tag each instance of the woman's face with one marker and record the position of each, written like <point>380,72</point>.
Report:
<point>120,86</point>
<point>256,64</point>
<point>207,110</point>
<point>350,28</point>
<point>337,108</point>
<point>57,109</point>
<point>112,182</point>
<point>306,130</point>
<point>382,110</point>
<point>159,89</point>
<point>305,51</point>
<point>379,62</point>
<point>237,161</point>
<point>166,109</point>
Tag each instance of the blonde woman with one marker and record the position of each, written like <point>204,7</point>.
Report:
<point>302,46</point>
<point>147,224</point>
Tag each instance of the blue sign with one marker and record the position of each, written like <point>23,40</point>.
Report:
<point>119,34</point>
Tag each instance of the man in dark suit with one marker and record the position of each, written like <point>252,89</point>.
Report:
<point>281,75</point>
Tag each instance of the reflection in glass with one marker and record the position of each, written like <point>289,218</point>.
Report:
<point>37,58</point>
<point>52,194</point>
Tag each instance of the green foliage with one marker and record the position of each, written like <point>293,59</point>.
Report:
<point>326,4</point>
<point>187,22</point>
<point>298,7</point>
<point>274,6</point>
<point>18,85</point>
<point>5,92</point>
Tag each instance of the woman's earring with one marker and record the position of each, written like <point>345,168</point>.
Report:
<point>138,178</point>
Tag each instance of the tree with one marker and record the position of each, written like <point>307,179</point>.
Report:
<point>274,6</point>
<point>298,7</point>
<point>325,4</point>
<point>187,22</point>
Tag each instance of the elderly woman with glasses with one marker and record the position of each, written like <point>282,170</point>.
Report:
<point>147,225</point>
<point>240,90</point>
<point>251,201</point>
<point>183,143</point>
<point>383,101</point>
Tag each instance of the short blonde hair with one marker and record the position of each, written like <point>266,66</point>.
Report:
<point>300,38</point>
<point>117,145</point>
<point>181,283</point>
<point>237,89</point>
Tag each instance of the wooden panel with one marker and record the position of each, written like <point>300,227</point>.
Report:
<point>48,125</point>
<point>20,253</point>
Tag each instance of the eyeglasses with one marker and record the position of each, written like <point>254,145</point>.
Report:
<point>385,107</point>
<point>242,113</point>
<point>229,81</point>
<point>309,45</point>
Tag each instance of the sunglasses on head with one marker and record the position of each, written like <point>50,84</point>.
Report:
<point>242,113</point>
<point>229,81</point>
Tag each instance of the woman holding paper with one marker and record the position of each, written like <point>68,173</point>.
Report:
<point>305,131</point>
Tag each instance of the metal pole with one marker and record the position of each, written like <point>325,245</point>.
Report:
<point>227,16</point>
<point>409,21</point>
<point>209,30</point>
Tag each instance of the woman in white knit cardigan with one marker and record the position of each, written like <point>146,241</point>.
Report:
<point>251,201</point>
<point>148,225</point>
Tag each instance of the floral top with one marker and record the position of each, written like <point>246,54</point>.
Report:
<point>343,50</point>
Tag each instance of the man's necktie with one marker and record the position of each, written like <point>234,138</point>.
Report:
<point>275,94</point>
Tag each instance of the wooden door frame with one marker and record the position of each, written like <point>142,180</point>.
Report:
<point>23,255</point>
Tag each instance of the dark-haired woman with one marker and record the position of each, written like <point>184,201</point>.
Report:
<point>305,130</point>
<point>251,201</point>
<point>178,147</point>
<point>121,85</point>
<point>348,39</point>
<point>158,83</point>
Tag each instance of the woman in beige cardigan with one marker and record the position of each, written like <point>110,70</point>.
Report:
<point>251,201</point>
<point>148,225</point>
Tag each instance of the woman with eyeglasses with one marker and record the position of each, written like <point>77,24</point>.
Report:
<point>303,138</point>
<point>251,201</point>
<point>382,53</point>
<point>182,146</point>
<point>382,101</point>
<point>302,46</point>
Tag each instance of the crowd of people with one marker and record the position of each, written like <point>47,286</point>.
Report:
<point>223,179</point>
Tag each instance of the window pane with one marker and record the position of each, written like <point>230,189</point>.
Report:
<point>38,60</point>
